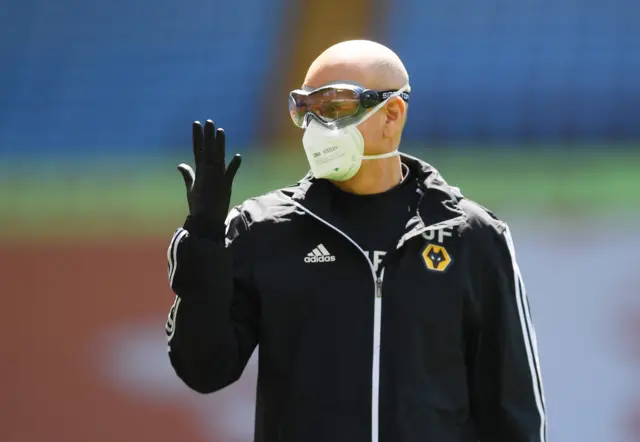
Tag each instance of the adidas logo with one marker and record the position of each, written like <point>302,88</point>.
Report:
<point>319,254</point>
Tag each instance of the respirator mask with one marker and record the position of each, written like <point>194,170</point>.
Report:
<point>330,115</point>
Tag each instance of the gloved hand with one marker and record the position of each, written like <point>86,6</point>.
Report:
<point>209,188</point>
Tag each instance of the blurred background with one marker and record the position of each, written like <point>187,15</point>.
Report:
<point>532,107</point>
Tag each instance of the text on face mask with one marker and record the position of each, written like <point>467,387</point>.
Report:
<point>329,149</point>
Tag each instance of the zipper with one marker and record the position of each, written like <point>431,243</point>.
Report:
<point>377,322</point>
<point>375,369</point>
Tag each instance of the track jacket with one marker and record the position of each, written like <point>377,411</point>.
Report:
<point>431,343</point>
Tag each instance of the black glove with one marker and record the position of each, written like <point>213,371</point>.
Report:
<point>209,189</point>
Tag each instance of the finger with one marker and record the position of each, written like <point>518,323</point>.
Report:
<point>219,148</point>
<point>210,143</point>
<point>187,175</point>
<point>234,165</point>
<point>198,143</point>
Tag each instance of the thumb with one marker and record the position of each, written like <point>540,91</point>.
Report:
<point>233,167</point>
<point>187,175</point>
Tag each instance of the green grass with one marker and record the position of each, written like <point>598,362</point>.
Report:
<point>107,197</point>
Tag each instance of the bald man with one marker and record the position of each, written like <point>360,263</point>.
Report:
<point>387,306</point>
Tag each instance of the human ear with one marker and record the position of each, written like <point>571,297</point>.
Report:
<point>395,111</point>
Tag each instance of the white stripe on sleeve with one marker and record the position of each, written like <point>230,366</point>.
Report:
<point>169,254</point>
<point>528,334</point>
<point>170,327</point>
<point>172,253</point>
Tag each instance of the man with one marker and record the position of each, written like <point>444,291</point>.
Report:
<point>387,306</point>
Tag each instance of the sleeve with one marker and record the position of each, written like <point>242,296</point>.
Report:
<point>213,323</point>
<point>507,395</point>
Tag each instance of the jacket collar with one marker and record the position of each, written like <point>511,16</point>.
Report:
<point>438,204</point>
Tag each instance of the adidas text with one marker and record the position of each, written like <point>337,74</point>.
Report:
<point>319,258</point>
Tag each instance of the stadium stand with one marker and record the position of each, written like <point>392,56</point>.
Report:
<point>129,76</point>
<point>84,75</point>
<point>495,70</point>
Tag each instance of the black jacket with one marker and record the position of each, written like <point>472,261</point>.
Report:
<point>437,345</point>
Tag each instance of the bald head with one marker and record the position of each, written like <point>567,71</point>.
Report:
<point>370,64</point>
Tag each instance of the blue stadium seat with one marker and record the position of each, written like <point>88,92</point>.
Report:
<point>499,71</point>
<point>131,76</point>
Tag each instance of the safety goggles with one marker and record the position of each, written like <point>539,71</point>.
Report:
<point>338,105</point>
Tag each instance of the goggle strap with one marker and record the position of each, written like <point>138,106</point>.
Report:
<point>383,95</point>
<point>374,109</point>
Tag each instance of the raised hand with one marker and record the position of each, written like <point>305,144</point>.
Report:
<point>209,187</point>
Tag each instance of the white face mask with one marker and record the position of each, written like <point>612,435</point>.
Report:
<point>337,154</point>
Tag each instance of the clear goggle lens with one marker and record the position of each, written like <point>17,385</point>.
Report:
<point>330,104</point>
